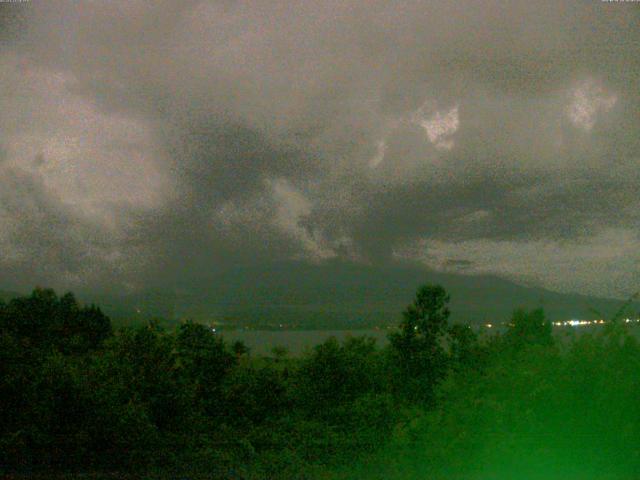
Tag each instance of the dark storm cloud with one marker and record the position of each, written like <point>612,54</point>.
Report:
<point>244,131</point>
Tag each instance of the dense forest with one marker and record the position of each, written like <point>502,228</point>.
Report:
<point>78,396</point>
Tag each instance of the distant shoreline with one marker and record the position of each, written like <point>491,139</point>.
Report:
<point>298,341</point>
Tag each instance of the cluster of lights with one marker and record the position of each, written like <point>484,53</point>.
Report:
<point>580,323</point>
<point>576,323</point>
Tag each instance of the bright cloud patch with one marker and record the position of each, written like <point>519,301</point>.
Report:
<point>589,100</point>
<point>381,150</point>
<point>90,160</point>
<point>439,126</point>
<point>291,209</point>
<point>281,208</point>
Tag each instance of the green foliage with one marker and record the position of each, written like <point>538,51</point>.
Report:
<point>335,374</point>
<point>203,360</point>
<point>529,328</point>
<point>280,352</point>
<point>437,403</point>
<point>465,350</point>
<point>537,412</point>
<point>44,320</point>
<point>418,346</point>
<point>240,348</point>
<point>254,395</point>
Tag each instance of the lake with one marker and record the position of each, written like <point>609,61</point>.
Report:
<point>298,341</point>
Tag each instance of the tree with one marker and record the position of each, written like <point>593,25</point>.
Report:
<point>240,348</point>
<point>463,346</point>
<point>31,318</point>
<point>204,360</point>
<point>335,374</point>
<point>418,344</point>
<point>254,393</point>
<point>529,328</point>
<point>93,326</point>
<point>280,352</point>
<point>44,320</point>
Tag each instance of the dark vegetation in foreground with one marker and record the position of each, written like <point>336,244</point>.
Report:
<point>437,402</point>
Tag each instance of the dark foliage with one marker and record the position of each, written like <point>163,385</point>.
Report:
<point>418,346</point>
<point>438,402</point>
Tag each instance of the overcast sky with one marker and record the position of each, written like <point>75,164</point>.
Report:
<point>149,144</point>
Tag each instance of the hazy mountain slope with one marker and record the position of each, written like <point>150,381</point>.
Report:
<point>336,294</point>
<point>347,294</point>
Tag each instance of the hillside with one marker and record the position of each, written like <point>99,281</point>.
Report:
<point>346,296</point>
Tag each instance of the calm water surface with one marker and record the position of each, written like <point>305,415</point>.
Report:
<point>298,341</point>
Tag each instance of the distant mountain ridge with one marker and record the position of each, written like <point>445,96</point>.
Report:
<point>347,295</point>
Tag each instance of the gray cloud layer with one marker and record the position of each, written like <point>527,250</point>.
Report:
<point>153,143</point>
